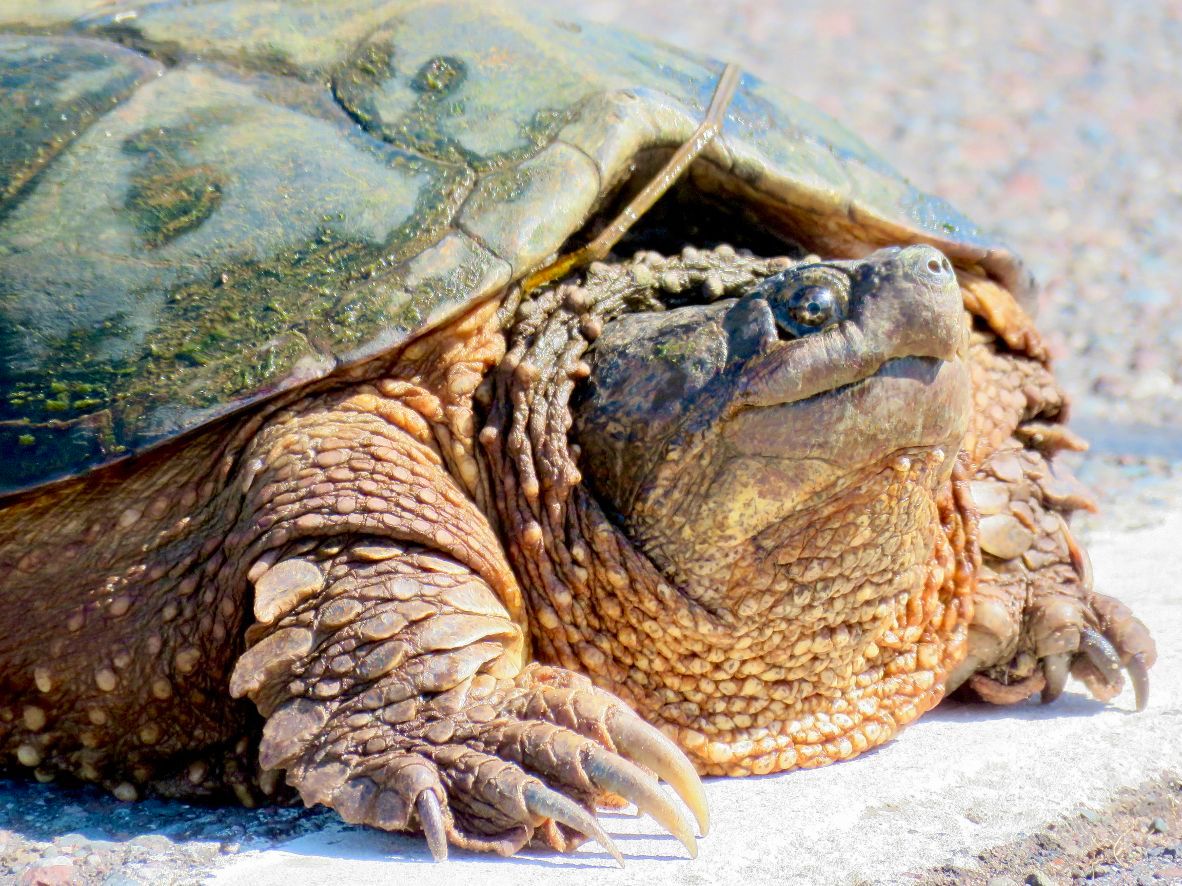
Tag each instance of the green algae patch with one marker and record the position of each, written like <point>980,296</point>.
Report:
<point>425,107</point>
<point>167,197</point>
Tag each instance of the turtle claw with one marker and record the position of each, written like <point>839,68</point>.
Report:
<point>625,779</point>
<point>540,800</point>
<point>1100,663</point>
<point>649,747</point>
<point>431,821</point>
<point>1102,654</point>
<point>1139,674</point>
<point>1056,669</point>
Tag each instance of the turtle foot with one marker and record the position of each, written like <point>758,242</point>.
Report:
<point>526,763</point>
<point>1036,618</point>
<point>1111,639</point>
<point>1097,642</point>
<point>393,695</point>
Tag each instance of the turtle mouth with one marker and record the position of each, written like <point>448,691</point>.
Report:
<point>837,360</point>
<point>864,415</point>
<point>921,369</point>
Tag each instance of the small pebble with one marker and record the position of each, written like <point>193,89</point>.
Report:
<point>1158,826</point>
<point>153,843</point>
<point>1038,878</point>
<point>56,871</point>
<point>1090,816</point>
<point>75,842</point>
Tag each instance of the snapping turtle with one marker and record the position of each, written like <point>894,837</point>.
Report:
<point>308,476</point>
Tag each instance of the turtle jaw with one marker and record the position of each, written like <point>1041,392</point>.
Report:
<point>799,448</point>
<point>901,303</point>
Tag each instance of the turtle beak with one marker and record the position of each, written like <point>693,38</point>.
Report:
<point>902,303</point>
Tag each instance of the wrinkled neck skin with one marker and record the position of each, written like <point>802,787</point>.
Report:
<point>807,643</point>
<point>767,554</point>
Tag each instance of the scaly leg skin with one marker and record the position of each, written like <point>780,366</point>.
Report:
<point>390,669</point>
<point>1037,617</point>
<point>394,694</point>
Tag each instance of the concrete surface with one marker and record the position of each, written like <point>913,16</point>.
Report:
<point>960,780</point>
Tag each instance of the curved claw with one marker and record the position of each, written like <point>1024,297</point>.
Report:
<point>1080,561</point>
<point>540,800</point>
<point>1139,674</point>
<point>1102,654</point>
<point>648,746</point>
<point>431,820</point>
<point>613,773</point>
<point>1055,669</point>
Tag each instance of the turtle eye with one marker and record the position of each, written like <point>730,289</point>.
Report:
<point>812,306</point>
<point>802,307</point>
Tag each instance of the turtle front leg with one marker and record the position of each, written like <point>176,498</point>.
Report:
<point>1037,617</point>
<point>388,654</point>
<point>391,680</point>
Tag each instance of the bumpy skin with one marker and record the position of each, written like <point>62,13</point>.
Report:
<point>780,561</point>
<point>770,605</point>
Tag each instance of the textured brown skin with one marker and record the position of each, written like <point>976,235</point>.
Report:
<point>353,567</point>
<point>794,617</point>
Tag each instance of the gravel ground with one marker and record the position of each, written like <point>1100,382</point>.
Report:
<point>1137,839</point>
<point>1059,124</point>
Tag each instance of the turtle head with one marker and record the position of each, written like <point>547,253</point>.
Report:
<point>711,432</point>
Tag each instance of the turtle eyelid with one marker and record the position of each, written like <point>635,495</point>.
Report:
<point>786,282</point>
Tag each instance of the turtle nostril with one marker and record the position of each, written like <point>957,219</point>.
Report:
<point>935,266</point>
